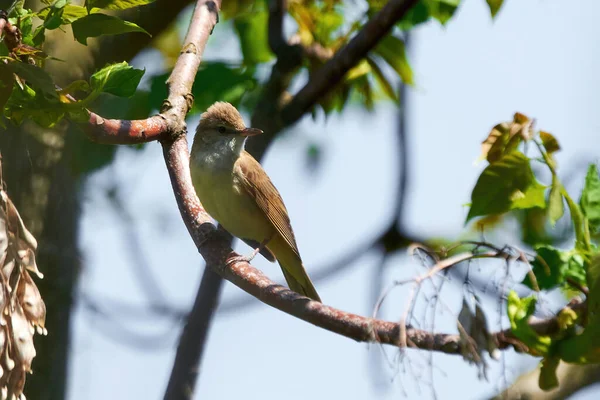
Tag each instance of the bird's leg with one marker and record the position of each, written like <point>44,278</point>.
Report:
<point>253,254</point>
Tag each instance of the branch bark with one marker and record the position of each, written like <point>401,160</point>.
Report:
<point>215,248</point>
<point>572,379</point>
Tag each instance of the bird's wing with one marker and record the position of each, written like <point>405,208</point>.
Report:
<point>257,184</point>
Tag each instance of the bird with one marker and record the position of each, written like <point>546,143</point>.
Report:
<point>237,192</point>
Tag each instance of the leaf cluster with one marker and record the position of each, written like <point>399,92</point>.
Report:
<point>509,184</point>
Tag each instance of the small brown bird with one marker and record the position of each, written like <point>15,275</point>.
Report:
<point>236,191</point>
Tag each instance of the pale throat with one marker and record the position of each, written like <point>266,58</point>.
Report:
<point>219,154</point>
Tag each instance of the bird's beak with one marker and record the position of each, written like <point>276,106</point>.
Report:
<point>250,132</point>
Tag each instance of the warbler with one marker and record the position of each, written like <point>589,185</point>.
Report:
<point>236,191</point>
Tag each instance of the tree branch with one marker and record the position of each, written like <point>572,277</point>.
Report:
<point>334,70</point>
<point>214,247</point>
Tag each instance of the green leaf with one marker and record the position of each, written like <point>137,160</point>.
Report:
<point>533,197</point>
<point>119,79</point>
<point>7,83</point>
<point>556,207</point>
<point>417,15</point>
<point>392,50</point>
<point>215,81</point>
<point>593,299</point>
<point>519,311</point>
<point>69,14</point>
<point>442,10</point>
<point>504,185</point>
<point>26,103</point>
<point>54,16</point>
<point>590,197</point>
<point>116,4</point>
<point>251,29</point>
<point>35,76</point>
<point>95,25</point>
<point>552,267</point>
<point>382,80</point>
<point>495,6</point>
<point>549,141</point>
<point>585,348</point>
<point>548,379</point>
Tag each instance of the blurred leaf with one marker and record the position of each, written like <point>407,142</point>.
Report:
<point>53,19</point>
<point>556,207</point>
<point>69,14</point>
<point>118,79</point>
<point>417,15</point>
<point>88,156</point>
<point>95,25</point>
<point>392,50</point>
<point>234,7</point>
<point>533,197</point>
<point>35,76</point>
<point>585,348</point>
<point>381,79</point>
<point>26,103</point>
<point>506,137</point>
<point>214,81</point>
<point>442,10</point>
<point>494,6</point>
<point>548,379</point>
<point>116,4</point>
<point>590,197</point>
<point>7,83</point>
<point>552,267</point>
<point>519,311</point>
<point>251,29</point>
<point>508,183</point>
<point>549,141</point>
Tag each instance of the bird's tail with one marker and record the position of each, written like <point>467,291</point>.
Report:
<point>305,288</point>
<point>293,270</point>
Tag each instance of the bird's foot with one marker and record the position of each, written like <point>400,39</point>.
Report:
<point>247,258</point>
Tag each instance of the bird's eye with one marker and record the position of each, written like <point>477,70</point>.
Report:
<point>222,129</point>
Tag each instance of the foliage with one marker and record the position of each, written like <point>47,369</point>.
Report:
<point>509,184</point>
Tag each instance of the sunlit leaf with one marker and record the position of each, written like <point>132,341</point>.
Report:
<point>69,13</point>
<point>95,25</point>
<point>532,197</point>
<point>519,311</point>
<point>504,185</point>
<point>116,4</point>
<point>556,207</point>
<point>590,197</point>
<point>118,79</point>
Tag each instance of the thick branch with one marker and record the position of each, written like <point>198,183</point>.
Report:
<point>334,70</point>
<point>116,131</point>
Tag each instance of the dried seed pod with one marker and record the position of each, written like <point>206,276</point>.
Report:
<point>22,347</point>
<point>31,301</point>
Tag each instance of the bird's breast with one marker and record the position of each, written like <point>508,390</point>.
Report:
<point>225,199</point>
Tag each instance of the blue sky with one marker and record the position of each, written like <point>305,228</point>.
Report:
<point>538,57</point>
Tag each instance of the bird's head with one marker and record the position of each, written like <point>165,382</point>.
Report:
<point>222,126</point>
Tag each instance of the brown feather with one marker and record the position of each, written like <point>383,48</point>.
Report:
<point>257,183</point>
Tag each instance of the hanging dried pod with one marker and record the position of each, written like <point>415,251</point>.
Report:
<point>22,309</point>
